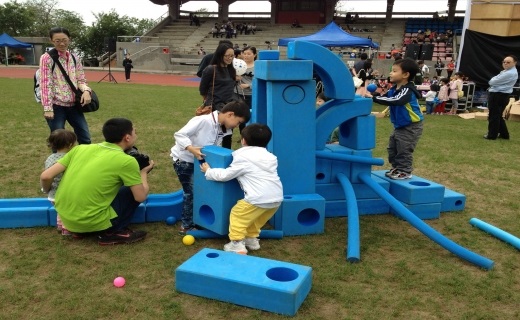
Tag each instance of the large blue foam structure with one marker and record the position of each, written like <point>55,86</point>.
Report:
<point>496,232</point>
<point>319,179</point>
<point>254,282</point>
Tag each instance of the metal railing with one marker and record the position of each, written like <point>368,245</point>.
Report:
<point>149,50</point>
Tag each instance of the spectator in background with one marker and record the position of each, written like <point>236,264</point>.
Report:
<point>207,58</point>
<point>450,67</point>
<point>360,64</point>
<point>439,66</point>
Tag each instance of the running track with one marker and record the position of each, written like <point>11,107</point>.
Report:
<point>94,76</point>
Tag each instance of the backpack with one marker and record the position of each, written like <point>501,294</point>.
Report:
<point>37,90</point>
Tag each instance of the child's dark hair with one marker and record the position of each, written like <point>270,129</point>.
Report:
<point>239,108</point>
<point>322,96</point>
<point>445,80</point>
<point>61,139</point>
<point>115,129</point>
<point>257,135</point>
<point>408,65</point>
<point>435,87</point>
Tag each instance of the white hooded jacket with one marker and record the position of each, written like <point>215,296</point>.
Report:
<point>255,168</point>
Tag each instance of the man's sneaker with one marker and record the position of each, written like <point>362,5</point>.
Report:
<point>401,175</point>
<point>390,172</point>
<point>236,246</point>
<point>121,237</point>
<point>252,243</point>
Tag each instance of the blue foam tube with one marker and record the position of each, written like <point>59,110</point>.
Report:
<point>426,229</point>
<point>494,231</point>
<point>206,234</point>
<point>349,157</point>
<point>353,219</point>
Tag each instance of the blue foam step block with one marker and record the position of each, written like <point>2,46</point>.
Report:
<point>300,214</point>
<point>24,217</point>
<point>254,282</point>
<point>453,201</point>
<point>415,190</point>
<point>424,211</point>
<point>25,202</point>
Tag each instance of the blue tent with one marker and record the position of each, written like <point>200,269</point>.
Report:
<point>332,36</point>
<point>7,41</point>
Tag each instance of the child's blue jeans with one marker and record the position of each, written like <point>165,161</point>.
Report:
<point>184,171</point>
<point>429,107</point>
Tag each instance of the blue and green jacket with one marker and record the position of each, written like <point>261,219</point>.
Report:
<point>403,103</point>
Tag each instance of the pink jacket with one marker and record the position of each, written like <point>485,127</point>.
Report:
<point>455,86</point>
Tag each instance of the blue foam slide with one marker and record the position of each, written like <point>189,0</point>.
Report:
<point>207,234</point>
<point>353,219</point>
<point>494,231</point>
<point>426,229</point>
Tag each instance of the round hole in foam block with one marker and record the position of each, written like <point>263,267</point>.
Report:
<point>308,217</point>
<point>281,274</point>
<point>419,183</point>
<point>212,255</point>
<point>207,214</point>
<point>320,176</point>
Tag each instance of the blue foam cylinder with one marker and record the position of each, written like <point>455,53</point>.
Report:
<point>353,219</point>
<point>426,229</point>
<point>494,231</point>
<point>351,158</point>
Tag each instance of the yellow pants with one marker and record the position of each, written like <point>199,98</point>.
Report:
<point>246,220</point>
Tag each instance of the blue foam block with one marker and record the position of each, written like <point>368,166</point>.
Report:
<point>161,206</point>
<point>415,190</point>
<point>334,191</point>
<point>212,200</point>
<point>24,217</point>
<point>424,211</point>
<point>268,55</point>
<point>338,208</point>
<point>300,214</point>
<point>453,201</point>
<point>358,133</point>
<point>53,216</point>
<point>323,171</point>
<point>357,168</point>
<point>24,202</point>
<point>254,282</point>
<point>279,70</point>
<point>140,214</point>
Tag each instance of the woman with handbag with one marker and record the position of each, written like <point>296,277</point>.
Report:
<point>57,97</point>
<point>218,81</point>
<point>245,86</point>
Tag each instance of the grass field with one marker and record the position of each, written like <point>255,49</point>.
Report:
<point>402,275</point>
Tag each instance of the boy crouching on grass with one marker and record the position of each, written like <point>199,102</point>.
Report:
<point>255,168</point>
<point>406,116</point>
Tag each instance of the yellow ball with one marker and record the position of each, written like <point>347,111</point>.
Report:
<point>188,240</point>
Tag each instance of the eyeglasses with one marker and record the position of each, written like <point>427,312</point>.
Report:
<point>229,56</point>
<point>58,41</point>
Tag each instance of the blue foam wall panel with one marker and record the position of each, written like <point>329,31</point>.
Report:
<point>254,282</point>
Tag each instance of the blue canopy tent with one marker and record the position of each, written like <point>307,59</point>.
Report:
<point>332,36</point>
<point>7,41</point>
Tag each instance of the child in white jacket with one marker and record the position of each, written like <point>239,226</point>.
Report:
<point>255,168</point>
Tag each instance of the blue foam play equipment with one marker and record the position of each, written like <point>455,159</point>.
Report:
<point>254,282</point>
<point>496,232</point>
<point>353,254</point>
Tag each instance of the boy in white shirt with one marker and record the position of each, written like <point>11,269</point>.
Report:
<point>202,131</point>
<point>255,168</point>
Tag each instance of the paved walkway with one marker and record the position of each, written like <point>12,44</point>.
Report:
<point>95,74</point>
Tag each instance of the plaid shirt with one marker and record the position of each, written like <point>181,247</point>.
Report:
<point>54,87</point>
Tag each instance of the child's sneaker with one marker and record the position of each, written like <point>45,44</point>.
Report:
<point>65,232</point>
<point>390,172</point>
<point>183,231</point>
<point>401,175</point>
<point>252,243</point>
<point>236,246</point>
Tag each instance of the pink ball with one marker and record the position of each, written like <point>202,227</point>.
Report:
<point>119,282</point>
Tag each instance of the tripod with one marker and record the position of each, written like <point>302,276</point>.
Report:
<point>109,74</point>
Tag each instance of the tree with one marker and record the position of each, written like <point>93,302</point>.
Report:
<point>16,19</point>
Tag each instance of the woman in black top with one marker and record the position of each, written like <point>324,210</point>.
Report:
<point>220,92</point>
<point>127,63</point>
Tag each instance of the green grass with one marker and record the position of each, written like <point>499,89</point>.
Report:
<point>402,275</point>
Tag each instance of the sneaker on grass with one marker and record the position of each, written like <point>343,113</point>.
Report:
<point>236,246</point>
<point>252,243</point>
<point>121,237</point>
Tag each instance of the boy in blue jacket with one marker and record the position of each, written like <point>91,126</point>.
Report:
<point>406,116</point>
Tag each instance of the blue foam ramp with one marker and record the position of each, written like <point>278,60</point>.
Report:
<point>453,201</point>
<point>161,206</point>
<point>24,217</point>
<point>254,282</point>
<point>415,190</point>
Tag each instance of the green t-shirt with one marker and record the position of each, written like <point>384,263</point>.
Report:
<point>91,181</point>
